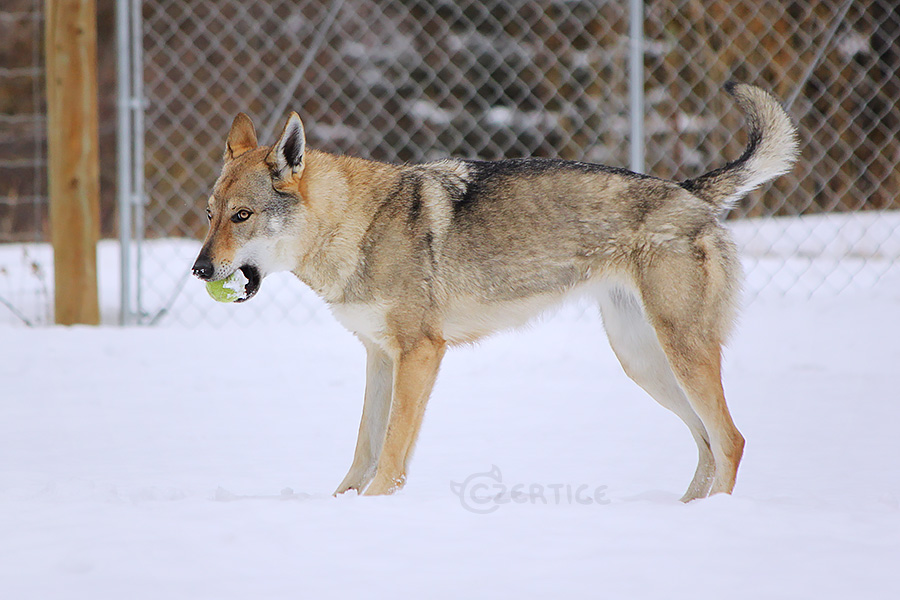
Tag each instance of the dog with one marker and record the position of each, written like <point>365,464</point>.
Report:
<point>416,258</point>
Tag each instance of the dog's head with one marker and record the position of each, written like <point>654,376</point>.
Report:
<point>255,210</point>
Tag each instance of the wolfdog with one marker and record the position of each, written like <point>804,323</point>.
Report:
<point>415,258</point>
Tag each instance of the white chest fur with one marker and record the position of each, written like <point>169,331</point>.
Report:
<point>366,320</point>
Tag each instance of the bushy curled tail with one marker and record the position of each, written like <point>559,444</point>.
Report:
<point>771,149</point>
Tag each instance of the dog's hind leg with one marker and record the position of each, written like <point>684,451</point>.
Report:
<point>635,343</point>
<point>698,368</point>
<point>688,298</point>
<point>376,409</point>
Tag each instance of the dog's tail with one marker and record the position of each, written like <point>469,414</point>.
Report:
<point>771,149</point>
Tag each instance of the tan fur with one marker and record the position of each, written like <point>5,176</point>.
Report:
<point>416,258</point>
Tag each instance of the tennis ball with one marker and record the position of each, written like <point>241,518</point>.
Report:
<point>229,289</point>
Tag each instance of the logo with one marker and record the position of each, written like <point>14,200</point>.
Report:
<point>484,493</point>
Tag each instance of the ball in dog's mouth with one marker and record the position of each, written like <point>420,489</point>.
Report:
<point>254,280</point>
<point>237,287</point>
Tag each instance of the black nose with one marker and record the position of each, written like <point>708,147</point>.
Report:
<point>203,267</point>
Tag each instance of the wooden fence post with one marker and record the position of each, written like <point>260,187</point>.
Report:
<point>70,35</point>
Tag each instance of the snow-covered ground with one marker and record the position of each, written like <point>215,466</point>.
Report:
<point>198,462</point>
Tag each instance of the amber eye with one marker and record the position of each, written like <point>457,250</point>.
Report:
<point>241,216</point>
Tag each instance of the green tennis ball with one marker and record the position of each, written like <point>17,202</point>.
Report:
<point>229,289</point>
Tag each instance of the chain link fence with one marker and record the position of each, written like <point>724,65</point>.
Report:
<point>24,281</point>
<point>415,80</point>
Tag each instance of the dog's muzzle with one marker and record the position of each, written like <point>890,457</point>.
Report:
<point>203,269</point>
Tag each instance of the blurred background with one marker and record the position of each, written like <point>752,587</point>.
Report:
<point>415,80</point>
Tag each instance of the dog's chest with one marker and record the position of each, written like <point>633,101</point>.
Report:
<point>366,320</point>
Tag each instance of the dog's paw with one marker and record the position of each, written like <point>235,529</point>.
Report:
<point>356,481</point>
<point>384,486</point>
<point>345,488</point>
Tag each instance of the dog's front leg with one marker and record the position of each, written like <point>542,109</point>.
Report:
<point>376,408</point>
<point>415,370</point>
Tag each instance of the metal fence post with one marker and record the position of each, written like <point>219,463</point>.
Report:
<point>123,152</point>
<point>636,84</point>
<point>130,151</point>
<point>138,199</point>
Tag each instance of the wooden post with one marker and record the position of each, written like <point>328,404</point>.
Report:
<point>73,156</point>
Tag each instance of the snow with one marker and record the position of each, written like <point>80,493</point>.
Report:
<point>198,461</point>
<point>236,282</point>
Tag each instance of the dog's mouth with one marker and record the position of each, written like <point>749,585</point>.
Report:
<point>254,280</point>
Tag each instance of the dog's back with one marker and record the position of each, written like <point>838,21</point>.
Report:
<point>523,233</point>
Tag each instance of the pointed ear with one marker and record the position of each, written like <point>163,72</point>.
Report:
<point>241,138</point>
<point>286,156</point>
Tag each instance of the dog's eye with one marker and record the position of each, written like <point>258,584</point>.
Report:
<point>241,216</point>
<point>209,214</point>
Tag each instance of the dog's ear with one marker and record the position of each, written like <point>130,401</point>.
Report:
<point>286,156</point>
<point>241,138</point>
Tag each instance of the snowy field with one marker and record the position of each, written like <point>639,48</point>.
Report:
<point>198,461</point>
